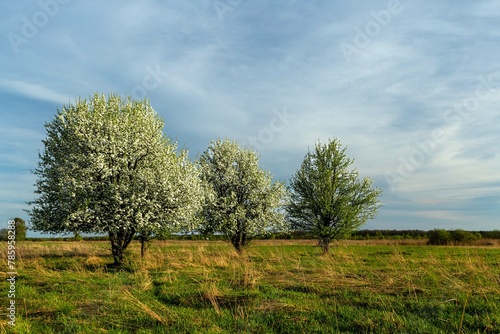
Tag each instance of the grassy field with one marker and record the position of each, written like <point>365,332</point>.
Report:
<point>275,287</point>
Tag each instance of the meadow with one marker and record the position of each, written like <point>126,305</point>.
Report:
<point>276,286</point>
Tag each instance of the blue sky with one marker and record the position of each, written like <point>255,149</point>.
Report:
<point>412,88</point>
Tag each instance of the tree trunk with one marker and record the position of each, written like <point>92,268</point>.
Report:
<point>119,243</point>
<point>143,247</point>
<point>238,248</point>
<point>324,243</point>
<point>238,241</point>
<point>237,245</point>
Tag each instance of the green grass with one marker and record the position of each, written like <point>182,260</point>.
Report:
<point>275,287</point>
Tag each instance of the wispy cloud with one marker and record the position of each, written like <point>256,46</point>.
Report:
<point>35,91</point>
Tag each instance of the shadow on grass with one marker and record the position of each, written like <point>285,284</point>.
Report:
<point>200,300</point>
<point>116,268</point>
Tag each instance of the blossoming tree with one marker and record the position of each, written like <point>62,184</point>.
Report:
<point>108,168</point>
<point>243,201</point>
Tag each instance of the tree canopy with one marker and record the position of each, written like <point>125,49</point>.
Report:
<point>108,168</point>
<point>328,199</point>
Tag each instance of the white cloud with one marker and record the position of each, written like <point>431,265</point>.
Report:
<point>36,91</point>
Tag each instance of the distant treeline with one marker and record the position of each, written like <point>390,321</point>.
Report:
<point>436,236</point>
<point>420,234</point>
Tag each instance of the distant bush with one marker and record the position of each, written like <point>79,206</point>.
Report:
<point>20,230</point>
<point>464,237</point>
<point>439,237</point>
<point>456,237</point>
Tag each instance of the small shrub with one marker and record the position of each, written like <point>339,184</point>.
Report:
<point>464,237</point>
<point>439,237</point>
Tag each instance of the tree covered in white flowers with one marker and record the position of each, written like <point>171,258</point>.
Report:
<point>243,202</point>
<point>108,168</point>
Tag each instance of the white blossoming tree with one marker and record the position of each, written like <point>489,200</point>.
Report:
<point>108,168</point>
<point>244,201</point>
